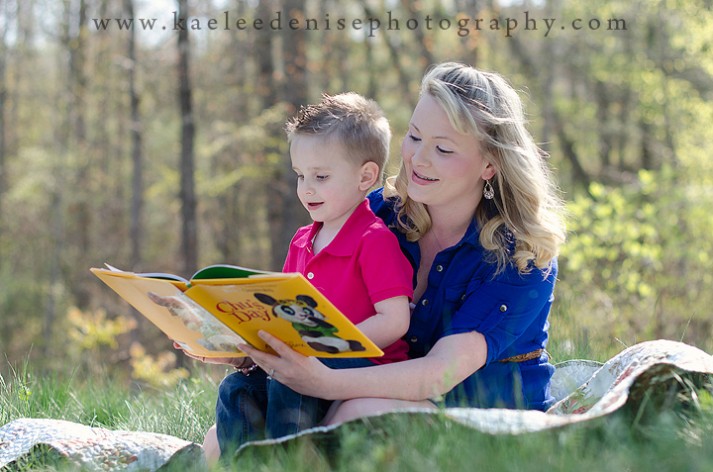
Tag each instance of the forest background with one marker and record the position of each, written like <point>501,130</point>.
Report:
<point>157,145</point>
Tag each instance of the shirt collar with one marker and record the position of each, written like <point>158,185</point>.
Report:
<point>471,236</point>
<point>348,237</point>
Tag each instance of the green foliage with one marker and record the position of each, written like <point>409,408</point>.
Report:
<point>637,259</point>
<point>156,371</point>
<point>636,265</point>
<point>91,331</point>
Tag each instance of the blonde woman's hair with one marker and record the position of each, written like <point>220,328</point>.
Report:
<point>523,223</point>
<point>355,122</point>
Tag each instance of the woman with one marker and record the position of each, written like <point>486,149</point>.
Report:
<point>477,213</point>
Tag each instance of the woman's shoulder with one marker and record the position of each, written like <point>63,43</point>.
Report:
<point>381,205</point>
<point>533,275</point>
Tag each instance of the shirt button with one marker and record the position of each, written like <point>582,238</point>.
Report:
<point>413,339</point>
<point>439,268</point>
<point>503,308</point>
<point>310,275</point>
<point>424,302</point>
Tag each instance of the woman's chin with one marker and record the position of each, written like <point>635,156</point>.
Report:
<point>417,194</point>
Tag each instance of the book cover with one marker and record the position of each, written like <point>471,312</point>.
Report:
<point>223,306</point>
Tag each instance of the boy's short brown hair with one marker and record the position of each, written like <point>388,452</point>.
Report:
<point>356,122</point>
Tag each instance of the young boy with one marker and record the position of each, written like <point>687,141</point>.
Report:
<point>338,149</point>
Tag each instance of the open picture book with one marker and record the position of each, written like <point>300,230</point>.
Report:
<point>222,306</point>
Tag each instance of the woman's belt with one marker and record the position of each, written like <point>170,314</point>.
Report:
<point>524,357</point>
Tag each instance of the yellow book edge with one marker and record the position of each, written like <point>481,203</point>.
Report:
<point>211,317</point>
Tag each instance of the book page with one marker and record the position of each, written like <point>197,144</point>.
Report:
<point>288,307</point>
<point>164,304</point>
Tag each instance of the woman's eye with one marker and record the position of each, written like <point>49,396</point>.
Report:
<point>443,151</point>
<point>414,138</point>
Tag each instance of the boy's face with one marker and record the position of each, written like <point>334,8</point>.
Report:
<point>329,184</point>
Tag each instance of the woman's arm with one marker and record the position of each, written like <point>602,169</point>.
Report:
<point>447,364</point>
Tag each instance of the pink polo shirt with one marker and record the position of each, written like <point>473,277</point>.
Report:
<point>363,265</point>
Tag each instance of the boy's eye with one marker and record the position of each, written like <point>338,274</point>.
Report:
<point>321,177</point>
<point>300,177</point>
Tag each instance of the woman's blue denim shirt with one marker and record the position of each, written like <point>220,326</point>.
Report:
<point>509,309</point>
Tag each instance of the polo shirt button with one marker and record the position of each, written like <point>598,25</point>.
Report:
<point>414,339</point>
<point>424,302</point>
<point>439,268</point>
<point>503,308</point>
<point>310,275</point>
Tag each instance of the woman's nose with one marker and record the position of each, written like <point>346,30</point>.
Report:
<point>419,157</point>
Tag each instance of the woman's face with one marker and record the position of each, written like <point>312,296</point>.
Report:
<point>444,167</point>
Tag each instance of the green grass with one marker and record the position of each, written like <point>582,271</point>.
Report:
<point>670,435</point>
<point>433,444</point>
<point>185,411</point>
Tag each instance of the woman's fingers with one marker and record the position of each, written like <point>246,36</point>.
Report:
<point>288,366</point>
<point>284,352</point>
<point>263,359</point>
<point>282,349</point>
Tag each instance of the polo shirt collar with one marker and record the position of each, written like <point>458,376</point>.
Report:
<point>346,241</point>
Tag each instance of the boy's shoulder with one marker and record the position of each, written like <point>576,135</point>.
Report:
<point>377,233</point>
<point>364,228</point>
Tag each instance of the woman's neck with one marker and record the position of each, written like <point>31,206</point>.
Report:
<point>448,227</point>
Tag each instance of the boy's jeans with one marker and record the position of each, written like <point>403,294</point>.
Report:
<point>256,407</point>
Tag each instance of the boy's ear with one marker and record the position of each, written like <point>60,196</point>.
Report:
<point>369,175</point>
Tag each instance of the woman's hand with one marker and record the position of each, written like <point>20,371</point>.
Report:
<point>237,362</point>
<point>306,375</point>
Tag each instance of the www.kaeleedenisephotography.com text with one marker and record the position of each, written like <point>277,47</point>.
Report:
<point>369,26</point>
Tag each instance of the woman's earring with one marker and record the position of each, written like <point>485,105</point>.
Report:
<point>488,191</point>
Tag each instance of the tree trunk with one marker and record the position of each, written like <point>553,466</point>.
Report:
<point>395,54</point>
<point>605,135</point>
<point>81,220</point>
<point>4,17</point>
<point>285,212</point>
<point>567,147</point>
<point>413,12</point>
<point>189,234</point>
<point>5,20</point>
<point>137,179</point>
<point>56,216</point>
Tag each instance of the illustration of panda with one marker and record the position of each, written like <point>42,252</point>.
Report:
<point>310,324</point>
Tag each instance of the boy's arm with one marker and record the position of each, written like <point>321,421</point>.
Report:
<point>390,322</point>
